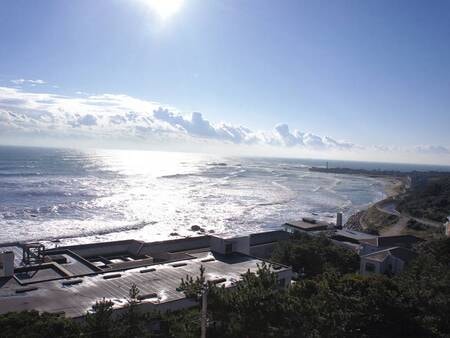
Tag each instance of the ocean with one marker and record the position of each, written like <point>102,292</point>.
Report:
<point>79,196</point>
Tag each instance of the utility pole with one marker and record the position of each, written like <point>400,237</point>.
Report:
<point>204,310</point>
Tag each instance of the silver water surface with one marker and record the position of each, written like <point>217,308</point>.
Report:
<point>82,196</point>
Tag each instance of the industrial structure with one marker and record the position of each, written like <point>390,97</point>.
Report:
<point>69,280</point>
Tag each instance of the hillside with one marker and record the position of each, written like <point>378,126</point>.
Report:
<point>430,199</point>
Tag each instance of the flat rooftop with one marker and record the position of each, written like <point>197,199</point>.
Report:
<point>308,224</point>
<point>157,283</point>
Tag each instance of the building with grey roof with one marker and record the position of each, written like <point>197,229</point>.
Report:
<point>306,225</point>
<point>384,242</point>
<point>388,261</point>
<point>71,279</point>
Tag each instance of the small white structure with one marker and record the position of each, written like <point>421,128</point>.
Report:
<point>225,245</point>
<point>7,264</point>
<point>447,227</point>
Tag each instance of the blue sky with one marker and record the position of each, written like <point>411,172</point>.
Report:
<point>369,73</point>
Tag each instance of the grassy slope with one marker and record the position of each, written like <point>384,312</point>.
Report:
<point>376,220</point>
<point>430,200</point>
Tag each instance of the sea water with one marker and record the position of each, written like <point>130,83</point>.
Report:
<point>80,196</point>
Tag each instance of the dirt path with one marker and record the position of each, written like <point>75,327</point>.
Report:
<point>425,221</point>
<point>397,228</point>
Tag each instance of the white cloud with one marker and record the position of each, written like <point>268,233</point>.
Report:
<point>31,82</point>
<point>123,118</point>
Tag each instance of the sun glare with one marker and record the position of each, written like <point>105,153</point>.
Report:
<point>165,8</point>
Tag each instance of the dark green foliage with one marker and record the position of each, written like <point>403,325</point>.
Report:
<point>333,304</point>
<point>425,289</point>
<point>254,308</point>
<point>182,324</point>
<point>99,322</point>
<point>32,324</point>
<point>132,322</point>
<point>351,305</point>
<point>315,255</point>
<point>430,199</point>
<point>439,249</point>
<point>330,304</point>
<point>191,287</point>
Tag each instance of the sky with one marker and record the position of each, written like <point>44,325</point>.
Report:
<point>346,79</point>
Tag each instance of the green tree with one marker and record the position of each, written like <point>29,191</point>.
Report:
<point>32,324</point>
<point>99,322</point>
<point>132,322</point>
<point>182,324</point>
<point>192,287</point>
<point>253,308</point>
<point>315,255</point>
<point>425,293</point>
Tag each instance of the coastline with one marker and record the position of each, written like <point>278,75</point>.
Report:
<point>393,187</point>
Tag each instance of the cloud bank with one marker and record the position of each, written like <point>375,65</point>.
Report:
<point>125,118</point>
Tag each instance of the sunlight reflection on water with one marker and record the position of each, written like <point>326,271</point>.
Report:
<point>108,195</point>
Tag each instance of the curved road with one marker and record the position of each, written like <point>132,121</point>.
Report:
<point>396,229</point>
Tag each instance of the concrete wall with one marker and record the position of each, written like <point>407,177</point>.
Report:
<point>268,237</point>
<point>242,245</point>
<point>183,244</point>
<point>262,250</point>
<point>239,244</point>
<point>7,264</point>
<point>99,249</point>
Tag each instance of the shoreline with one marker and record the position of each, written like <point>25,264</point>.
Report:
<point>394,186</point>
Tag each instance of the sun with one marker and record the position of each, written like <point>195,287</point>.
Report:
<point>165,8</point>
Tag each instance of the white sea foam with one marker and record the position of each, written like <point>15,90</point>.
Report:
<point>108,195</point>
